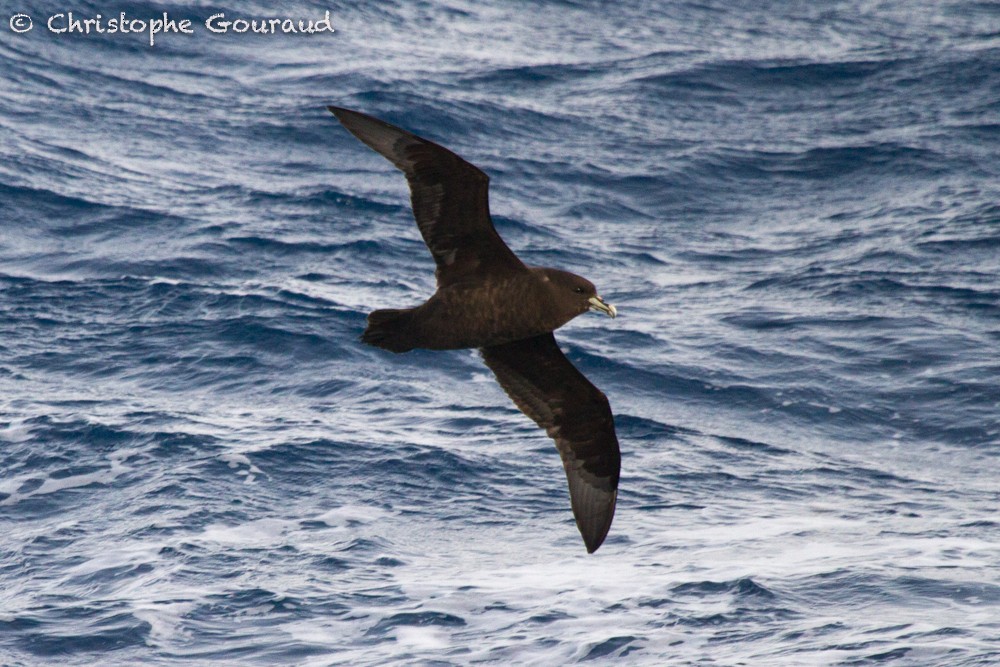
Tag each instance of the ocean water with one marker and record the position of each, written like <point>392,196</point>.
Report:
<point>795,207</point>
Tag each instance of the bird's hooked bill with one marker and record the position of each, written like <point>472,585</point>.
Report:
<point>598,305</point>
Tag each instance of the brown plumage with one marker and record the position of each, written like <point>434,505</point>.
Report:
<point>488,299</point>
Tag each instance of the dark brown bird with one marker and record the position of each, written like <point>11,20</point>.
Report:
<point>487,298</point>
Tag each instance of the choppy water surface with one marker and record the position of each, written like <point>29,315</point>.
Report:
<point>794,206</point>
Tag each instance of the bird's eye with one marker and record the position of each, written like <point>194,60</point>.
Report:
<point>578,290</point>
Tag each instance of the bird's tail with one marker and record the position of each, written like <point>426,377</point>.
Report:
<point>390,329</point>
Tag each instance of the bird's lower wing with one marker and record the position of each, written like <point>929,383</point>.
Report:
<point>549,389</point>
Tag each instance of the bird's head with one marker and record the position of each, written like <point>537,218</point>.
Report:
<point>574,295</point>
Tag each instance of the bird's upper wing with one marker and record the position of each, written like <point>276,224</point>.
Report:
<point>450,199</point>
<point>550,390</point>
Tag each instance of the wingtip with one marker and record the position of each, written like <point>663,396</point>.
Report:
<point>594,541</point>
<point>347,115</point>
<point>594,519</point>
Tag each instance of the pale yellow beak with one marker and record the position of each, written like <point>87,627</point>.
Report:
<point>598,305</point>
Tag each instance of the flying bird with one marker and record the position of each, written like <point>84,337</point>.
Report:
<point>487,298</point>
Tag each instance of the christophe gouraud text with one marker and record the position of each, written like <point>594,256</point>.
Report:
<point>69,22</point>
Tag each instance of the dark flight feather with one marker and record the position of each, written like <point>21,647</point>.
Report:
<point>548,388</point>
<point>449,197</point>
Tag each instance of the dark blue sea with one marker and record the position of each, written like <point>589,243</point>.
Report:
<point>794,205</point>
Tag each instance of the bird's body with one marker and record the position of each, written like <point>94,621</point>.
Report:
<point>488,299</point>
<point>472,314</point>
